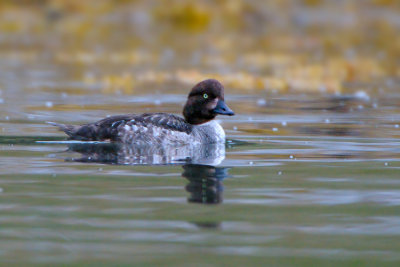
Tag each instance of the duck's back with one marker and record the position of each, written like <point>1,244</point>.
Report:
<point>149,128</point>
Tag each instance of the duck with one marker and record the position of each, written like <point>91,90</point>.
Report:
<point>197,126</point>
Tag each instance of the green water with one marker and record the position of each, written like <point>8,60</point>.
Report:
<point>312,193</point>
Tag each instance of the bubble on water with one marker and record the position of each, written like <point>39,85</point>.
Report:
<point>49,104</point>
<point>261,102</point>
<point>251,163</point>
<point>64,95</point>
<point>7,118</point>
<point>375,105</point>
<point>386,164</point>
<point>362,95</point>
<point>157,102</point>
<point>54,175</point>
<point>279,173</point>
<point>235,128</point>
<point>100,169</point>
<point>327,120</point>
<point>250,118</point>
<point>291,156</point>
<point>274,129</point>
<point>360,107</point>
<point>284,123</point>
<point>396,126</point>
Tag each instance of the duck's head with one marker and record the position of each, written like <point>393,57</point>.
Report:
<point>205,102</point>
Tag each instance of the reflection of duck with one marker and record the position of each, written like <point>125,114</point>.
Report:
<point>205,183</point>
<point>204,103</point>
<point>199,161</point>
<point>120,154</point>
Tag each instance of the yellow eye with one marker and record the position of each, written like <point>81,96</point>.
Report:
<point>205,96</point>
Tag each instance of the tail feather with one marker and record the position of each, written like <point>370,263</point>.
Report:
<point>70,130</point>
<point>86,132</point>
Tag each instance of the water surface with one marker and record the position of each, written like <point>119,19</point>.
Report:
<point>304,179</point>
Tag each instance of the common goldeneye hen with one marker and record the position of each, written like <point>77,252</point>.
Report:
<point>204,103</point>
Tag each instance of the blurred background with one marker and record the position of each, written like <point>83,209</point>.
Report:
<point>278,46</point>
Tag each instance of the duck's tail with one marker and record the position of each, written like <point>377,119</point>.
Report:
<point>105,129</point>
<point>97,131</point>
<point>74,132</point>
<point>68,129</point>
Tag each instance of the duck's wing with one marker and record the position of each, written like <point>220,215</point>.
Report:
<point>155,129</point>
<point>161,120</point>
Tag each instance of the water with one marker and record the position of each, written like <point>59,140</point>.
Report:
<point>305,180</point>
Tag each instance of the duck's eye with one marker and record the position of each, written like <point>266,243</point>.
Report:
<point>205,96</point>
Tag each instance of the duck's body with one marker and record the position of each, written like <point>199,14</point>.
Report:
<point>205,101</point>
<point>164,129</point>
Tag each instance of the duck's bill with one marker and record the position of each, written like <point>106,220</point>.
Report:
<point>223,109</point>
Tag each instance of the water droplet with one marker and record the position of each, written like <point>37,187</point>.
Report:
<point>291,156</point>
<point>362,95</point>
<point>261,102</point>
<point>327,120</point>
<point>279,173</point>
<point>251,163</point>
<point>234,128</point>
<point>284,123</point>
<point>49,104</point>
<point>396,126</point>
<point>386,164</point>
<point>275,129</point>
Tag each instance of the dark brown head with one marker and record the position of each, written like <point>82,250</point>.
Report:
<point>205,102</point>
